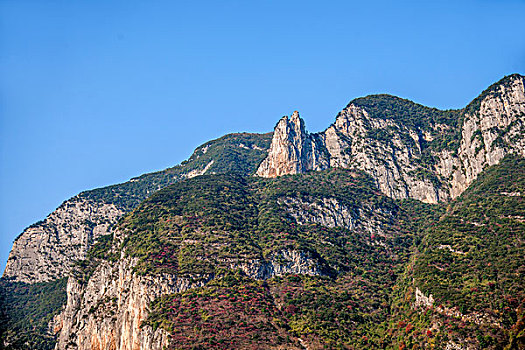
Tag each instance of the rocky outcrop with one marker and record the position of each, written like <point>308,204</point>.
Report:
<point>479,318</point>
<point>281,263</point>
<point>395,158</point>
<point>495,128</point>
<point>347,144</point>
<point>327,212</point>
<point>108,312</point>
<point>46,250</point>
<point>330,212</point>
<point>293,150</point>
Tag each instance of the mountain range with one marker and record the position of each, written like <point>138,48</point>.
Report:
<point>399,226</point>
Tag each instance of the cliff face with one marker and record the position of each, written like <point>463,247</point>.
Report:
<point>106,312</point>
<point>44,251</point>
<point>492,128</point>
<point>109,311</point>
<point>293,150</point>
<point>400,156</point>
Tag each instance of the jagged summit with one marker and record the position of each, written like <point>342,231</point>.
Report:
<point>293,150</point>
<point>412,151</point>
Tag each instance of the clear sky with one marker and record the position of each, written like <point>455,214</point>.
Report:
<point>93,93</point>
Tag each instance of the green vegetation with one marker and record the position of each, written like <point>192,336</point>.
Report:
<point>408,113</point>
<point>209,222</point>
<point>233,312</point>
<point>468,255</point>
<point>231,154</point>
<point>200,227</point>
<point>25,312</point>
<point>492,90</point>
<point>471,261</point>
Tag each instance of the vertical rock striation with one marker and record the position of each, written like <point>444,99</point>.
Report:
<point>293,150</point>
<point>493,126</point>
<point>109,310</point>
<point>45,250</point>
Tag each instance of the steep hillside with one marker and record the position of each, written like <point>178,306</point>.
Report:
<point>324,242</point>
<point>465,286</point>
<point>46,249</point>
<point>317,260</point>
<point>33,288</point>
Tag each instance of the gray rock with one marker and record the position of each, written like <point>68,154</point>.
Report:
<point>495,129</point>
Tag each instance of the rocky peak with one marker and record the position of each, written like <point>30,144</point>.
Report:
<point>493,126</point>
<point>291,151</point>
<point>400,143</point>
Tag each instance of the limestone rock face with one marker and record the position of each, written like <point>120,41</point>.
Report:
<point>489,131</point>
<point>108,311</point>
<point>346,144</point>
<point>496,128</point>
<point>45,250</point>
<point>330,212</point>
<point>281,263</point>
<point>293,150</point>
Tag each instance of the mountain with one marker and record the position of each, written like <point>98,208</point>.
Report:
<point>411,151</point>
<point>399,226</point>
<point>45,250</point>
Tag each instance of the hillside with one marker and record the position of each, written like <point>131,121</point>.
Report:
<point>465,283</point>
<point>399,226</point>
<point>278,264</point>
<point>46,249</point>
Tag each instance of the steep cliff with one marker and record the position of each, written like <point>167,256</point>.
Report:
<point>46,249</point>
<point>410,150</point>
<point>293,150</point>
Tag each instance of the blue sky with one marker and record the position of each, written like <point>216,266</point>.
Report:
<point>93,93</point>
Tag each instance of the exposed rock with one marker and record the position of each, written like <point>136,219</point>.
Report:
<point>479,318</point>
<point>422,300</point>
<point>330,212</point>
<point>282,263</point>
<point>497,128</point>
<point>45,250</point>
<point>108,311</point>
<point>293,150</point>
<point>488,133</point>
<point>198,172</point>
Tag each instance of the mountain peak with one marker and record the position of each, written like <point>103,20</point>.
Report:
<point>412,151</point>
<point>291,149</point>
